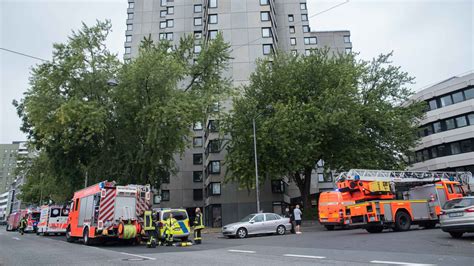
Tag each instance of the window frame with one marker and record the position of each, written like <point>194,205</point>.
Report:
<point>265,13</point>
<point>199,19</point>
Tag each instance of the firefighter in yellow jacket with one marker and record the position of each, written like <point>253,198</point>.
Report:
<point>169,225</point>
<point>198,226</point>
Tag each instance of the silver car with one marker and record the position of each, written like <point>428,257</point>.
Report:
<point>258,223</point>
<point>457,216</point>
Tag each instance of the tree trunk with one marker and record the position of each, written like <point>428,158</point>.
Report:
<point>303,182</point>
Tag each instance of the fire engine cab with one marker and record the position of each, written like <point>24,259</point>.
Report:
<point>105,211</point>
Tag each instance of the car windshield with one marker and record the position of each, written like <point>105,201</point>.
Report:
<point>248,218</point>
<point>458,203</point>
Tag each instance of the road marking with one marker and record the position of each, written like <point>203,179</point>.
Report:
<point>241,251</point>
<point>16,238</point>
<point>304,256</point>
<point>399,263</point>
<point>143,257</point>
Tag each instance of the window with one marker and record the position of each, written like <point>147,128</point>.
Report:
<point>212,34</point>
<point>264,2</point>
<point>130,16</point>
<point>213,126</point>
<point>128,50</point>
<point>461,121</point>
<point>310,40</point>
<point>307,52</point>
<point>433,105</point>
<point>162,36</point>
<point>165,195</point>
<point>131,5</point>
<point>271,217</point>
<point>197,142</point>
<point>267,49</point>
<point>292,29</point>
<point>163,13</point>
<point>197,8</point>
<point>293,41</point>
<point>303,6</point>
<point>197,21</point>
<point>129,27</point>
<point>169,23</point>
<point>214,146</point>
<point>291,18</point>
<point>156,199</point>
<point>446,100</point>
<point>165,177</point>
<point>213,19</point>
<point>469,93</point>
<point>455,148</point>
<point>450,124</point>
<point>419,156</point>
<point>294,52</point>
<point>163,25</point>
<point>348,50</point>
<point>164,2</point>
<point>265,16</point>
<point>212,3</point>
<point>304,17</point>
<point>426,155</point>
<point>266,32</point>
<point>442,151</point>
<point>169,36</point>
<point>214,167</point>
<point>436,127</point>
<point>347,39</point>
<point>197,49</point>
<point>466,146</point>
<point>214,188</point>
<point>258,218</point>
<point>197,34</point>
<point>471,119</point>
<point>278,186</point>
<point>76,204</point>
<point>197,194</point>
<point>170,10</point>
<point>128,38</point>
<point>458,97</point>
<point>434,152</point>
<point>197,126</point>
<point>197,158</point>
<point>306,28</point>
<point>197,176</point>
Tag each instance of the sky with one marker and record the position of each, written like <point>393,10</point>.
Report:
<point>431,40</point>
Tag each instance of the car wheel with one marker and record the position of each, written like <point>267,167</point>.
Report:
<point>329,227</point>
<point>456,234</point>
<point>241,233</point>
<point>402,221</point>
<point>281,230</point>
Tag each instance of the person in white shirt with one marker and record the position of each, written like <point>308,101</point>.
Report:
<point>297,212</point>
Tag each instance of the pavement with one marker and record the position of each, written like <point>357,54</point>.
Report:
<point>314,247</point>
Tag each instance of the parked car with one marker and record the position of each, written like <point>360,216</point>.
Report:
<point>457,216</point>
<point>257,223</point>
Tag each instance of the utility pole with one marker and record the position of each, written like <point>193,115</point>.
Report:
<point>257,192</point>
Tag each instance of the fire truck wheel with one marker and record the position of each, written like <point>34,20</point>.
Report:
<point>329,227</point>
<point>87,240</point>
<point>374,229</point>
<point>402,221</point>
<point>69,238</point>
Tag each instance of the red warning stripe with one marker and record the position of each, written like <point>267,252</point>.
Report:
<point>106,209</point>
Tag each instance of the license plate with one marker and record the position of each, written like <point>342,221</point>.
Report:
<point>455,214</point>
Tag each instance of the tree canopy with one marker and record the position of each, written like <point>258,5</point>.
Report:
<point>349,113</point>
<point>129,132</point>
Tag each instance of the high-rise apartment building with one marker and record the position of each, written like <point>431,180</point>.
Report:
<point>254,29</point>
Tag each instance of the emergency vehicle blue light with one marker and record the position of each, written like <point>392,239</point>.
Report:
<point>357,178</point>
<point>337,190</point>
<point>101,185</point>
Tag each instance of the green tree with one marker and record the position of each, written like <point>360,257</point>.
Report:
<point>325,106</point>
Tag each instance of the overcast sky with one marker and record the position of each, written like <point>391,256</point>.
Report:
<point>432,40</point>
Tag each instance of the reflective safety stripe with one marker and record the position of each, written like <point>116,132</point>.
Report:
<point>183,227</point>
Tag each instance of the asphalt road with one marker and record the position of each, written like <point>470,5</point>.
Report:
<point>313,247</point>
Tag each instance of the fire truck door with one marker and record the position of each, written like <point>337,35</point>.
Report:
<point>85,212</point>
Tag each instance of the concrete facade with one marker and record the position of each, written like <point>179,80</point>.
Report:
<point>8,162</point>
<point>447,129</point>
<point>253,28</point>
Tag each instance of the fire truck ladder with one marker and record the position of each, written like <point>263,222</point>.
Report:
<point>401,177</point>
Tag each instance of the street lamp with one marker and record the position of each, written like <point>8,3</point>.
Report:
<point>257,192</point>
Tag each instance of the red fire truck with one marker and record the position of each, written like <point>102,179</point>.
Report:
<point>105,210</point>
<point>53,220</point>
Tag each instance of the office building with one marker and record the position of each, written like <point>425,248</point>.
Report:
<point>254,29</point>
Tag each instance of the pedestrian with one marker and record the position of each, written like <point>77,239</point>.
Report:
<point>170,225</point>
<point>297,213</point>
<point>198,226</point>
<point>23,223</point>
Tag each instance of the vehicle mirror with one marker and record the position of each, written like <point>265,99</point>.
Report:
<point>252,222</point>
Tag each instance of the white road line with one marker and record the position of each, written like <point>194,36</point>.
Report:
<point>16,238</point>
<point>303,256</point>
<point>400,263</point>
<point>241,251</point>
<point>143,257</point>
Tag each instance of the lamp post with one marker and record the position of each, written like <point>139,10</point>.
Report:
<point>257,191</point>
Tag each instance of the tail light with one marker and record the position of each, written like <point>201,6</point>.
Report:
<point>469,210</point>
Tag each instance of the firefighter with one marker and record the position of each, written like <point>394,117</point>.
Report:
<point>169,225</point>
<point>198,226</point>
<point>23,223</point>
